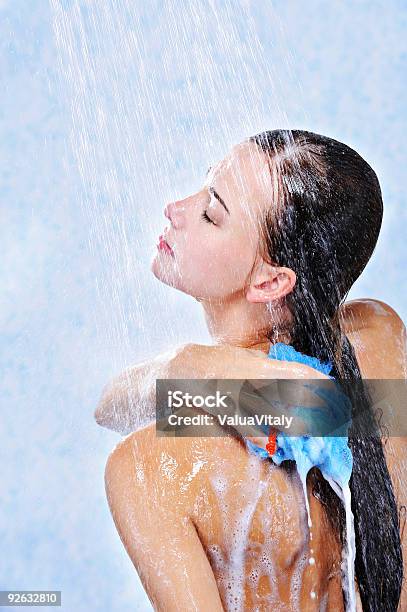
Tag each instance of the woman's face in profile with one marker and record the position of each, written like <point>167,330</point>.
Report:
<point>214,233</point>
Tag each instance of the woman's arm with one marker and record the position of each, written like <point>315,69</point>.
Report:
<point>128,402</point>
<point>155,527</point>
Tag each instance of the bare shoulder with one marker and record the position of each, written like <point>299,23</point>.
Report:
<point>367,312</point>
<point>139,470</point>
<point>378,336</point>
<point>146,461</point>
<point>144,449</point>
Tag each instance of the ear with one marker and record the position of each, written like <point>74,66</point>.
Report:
<point>271,283</point>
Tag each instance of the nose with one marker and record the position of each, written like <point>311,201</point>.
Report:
<point>174,212</point>
<point>167,211</point>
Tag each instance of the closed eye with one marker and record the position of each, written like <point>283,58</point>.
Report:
<point>206,218</point>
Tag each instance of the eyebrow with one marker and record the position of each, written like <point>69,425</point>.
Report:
<point>217,196</point>
<point>215,193</point>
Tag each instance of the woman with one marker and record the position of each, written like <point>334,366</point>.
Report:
<point>270,247</point>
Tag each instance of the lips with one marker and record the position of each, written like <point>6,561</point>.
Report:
<point>164,246</point>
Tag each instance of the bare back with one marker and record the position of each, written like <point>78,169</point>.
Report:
<point>248,515</point>
<point>251,519</point>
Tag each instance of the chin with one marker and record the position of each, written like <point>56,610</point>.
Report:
<point>167,276</point>
<point>161,272</point>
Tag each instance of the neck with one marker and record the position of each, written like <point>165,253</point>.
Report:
<point>244,324</point>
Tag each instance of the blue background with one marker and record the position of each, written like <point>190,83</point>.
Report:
<point>108,110</point>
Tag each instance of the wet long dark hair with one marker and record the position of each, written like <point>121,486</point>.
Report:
<point>323,222</point>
